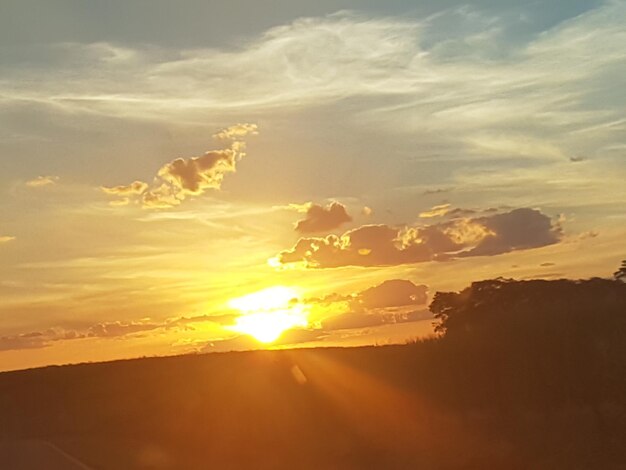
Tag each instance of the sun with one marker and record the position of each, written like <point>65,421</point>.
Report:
<point>266,314</point>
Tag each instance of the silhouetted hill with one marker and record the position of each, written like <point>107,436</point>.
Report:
<point>525,375</point>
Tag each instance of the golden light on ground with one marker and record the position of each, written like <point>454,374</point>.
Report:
<point>268,313</point>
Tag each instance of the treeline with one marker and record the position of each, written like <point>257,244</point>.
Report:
<point>536,343</point>
<point>523,374</point>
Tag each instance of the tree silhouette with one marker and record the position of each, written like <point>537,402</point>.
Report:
<point>620,274</point>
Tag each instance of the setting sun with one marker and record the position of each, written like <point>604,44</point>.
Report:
<point>268,313</point>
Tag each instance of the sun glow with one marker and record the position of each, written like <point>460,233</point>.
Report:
<point>268,313</point>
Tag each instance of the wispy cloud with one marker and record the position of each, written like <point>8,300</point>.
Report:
<point>42,181</point>
<point>436,211</point>
<point>314,60</point>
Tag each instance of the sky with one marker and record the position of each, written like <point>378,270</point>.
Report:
<point>193,176</point>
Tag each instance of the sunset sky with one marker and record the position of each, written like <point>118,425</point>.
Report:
<point>198,176</point>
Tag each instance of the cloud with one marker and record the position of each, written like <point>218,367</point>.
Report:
<point>34,340</point>
<point>136,187</point>
<point>454,72</point>
<point>520,229</point>
<point>393,293</point>
<point>237,131</point>
<point>366,319</point>
<point>196,174</point>
<point>6,239</point>
<point>369,245</point>
<point>460,212</point>
<point>435,211</point>
<point>392,301</point>
<point>543,97</point>
<point>389,293</point>
<point>323,219</point>
<point>111,329</point>
<point>382,245</point>
<point>120,202</point>
<point>42,181</point>
<point>45,338</point>
<point>162,196</point>
<point>119,328</point>
<point>38,339</point>
<point>188,176</point>
<point>185,322</point>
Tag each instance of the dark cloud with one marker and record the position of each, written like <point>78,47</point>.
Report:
<point>382,245</point>
<point>322,219</point>
<point>520,229</point>
<point>393,293</point>
<point>392,301</point>
<point>389,293</point>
